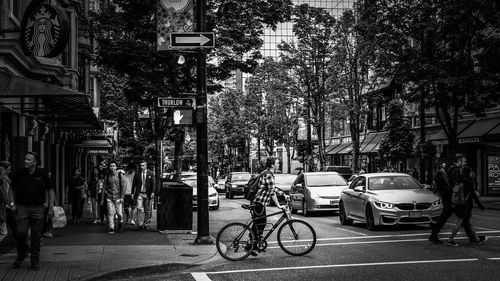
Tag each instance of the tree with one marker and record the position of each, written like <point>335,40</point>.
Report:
<point>126,34</point>
<point>270,107</point>
<point>437,49</point>
<point>349,70</point>
<point>397,145</point>
<point>307,63</point>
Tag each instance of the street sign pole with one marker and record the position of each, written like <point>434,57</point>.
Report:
<point>203,236</point>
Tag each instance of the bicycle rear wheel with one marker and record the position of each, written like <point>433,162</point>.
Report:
<point>296,237</point>
<point>234,241</point>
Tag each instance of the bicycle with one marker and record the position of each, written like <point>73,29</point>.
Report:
<point>237,240</point>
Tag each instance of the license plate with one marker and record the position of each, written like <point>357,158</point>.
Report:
<point>415,214</point>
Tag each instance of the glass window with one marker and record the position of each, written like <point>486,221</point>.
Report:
<point>392,182</point>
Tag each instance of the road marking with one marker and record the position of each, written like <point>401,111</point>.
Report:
<point>200,276</point>
<point>355,232</point>
<point>342,265</point>
<point>493,259</point>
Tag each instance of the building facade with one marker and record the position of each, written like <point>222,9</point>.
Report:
<point>49,98</point>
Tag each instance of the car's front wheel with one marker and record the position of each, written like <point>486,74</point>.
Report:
<point>343,215</point>
<point>370,220</point>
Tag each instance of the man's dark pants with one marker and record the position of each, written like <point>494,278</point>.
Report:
<point>259,218</point>
<point>449,210</point>
<point>29,217</point>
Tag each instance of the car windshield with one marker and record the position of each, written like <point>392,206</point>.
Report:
<point>392,182</point>
<point>325,180</point>
<point>241,177</point>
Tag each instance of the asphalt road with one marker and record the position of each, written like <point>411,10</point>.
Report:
<point>355,253</point>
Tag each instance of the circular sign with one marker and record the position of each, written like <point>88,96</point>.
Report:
<point>177,5</point>
<point>44,30</point>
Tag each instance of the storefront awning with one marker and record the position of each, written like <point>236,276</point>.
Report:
<point>372,145</point>
<point>346,150</point>
<point>338,148</point>
<point>479,129</point>
<point>440,136</point>
<point>68,108</point>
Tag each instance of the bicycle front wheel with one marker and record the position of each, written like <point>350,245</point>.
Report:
<point>235,241</point>
<point>296,237</point>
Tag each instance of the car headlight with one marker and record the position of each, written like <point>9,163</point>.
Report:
<point>437,203</point>
<point>384,205</point>
<point>233,185</point>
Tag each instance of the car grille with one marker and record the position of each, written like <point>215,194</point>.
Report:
<point>412,206</point>
<point>405,206</point>
<point>411,220</point>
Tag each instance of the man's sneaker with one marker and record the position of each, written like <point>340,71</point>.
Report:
<point>95,221</point>
<point>451,242</point>
<point>132,222</point>
<point>481,240</point>
<point>111,231</point>
<point>435,240</point>
<point>48,234</point>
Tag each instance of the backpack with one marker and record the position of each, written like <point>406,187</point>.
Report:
<point>252,187</point>
<point>457,196</point>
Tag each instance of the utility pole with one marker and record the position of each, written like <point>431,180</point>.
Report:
<point>203,236</point>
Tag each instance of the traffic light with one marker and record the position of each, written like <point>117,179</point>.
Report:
<point>182,77</point>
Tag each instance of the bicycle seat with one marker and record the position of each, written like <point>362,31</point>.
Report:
<point>248,206</point>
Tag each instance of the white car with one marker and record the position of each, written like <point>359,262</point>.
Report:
<point>213,196</point>
<point>388,199</point>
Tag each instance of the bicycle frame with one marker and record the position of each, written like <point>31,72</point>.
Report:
<point>284,216</point>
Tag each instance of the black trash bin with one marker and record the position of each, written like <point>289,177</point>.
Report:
<point>175,208</point>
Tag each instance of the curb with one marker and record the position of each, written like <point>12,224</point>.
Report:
<point>135,272</point>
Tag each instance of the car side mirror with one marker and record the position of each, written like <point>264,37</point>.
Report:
<point>426,186</point>
<point>359,189</point>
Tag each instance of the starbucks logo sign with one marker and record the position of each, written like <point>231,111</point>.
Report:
<point>44,30</point>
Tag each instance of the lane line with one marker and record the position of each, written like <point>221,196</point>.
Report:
<point>493,259</point>
<point>387,236</point>
<point>355,232</point>
<point>200,276</point>
<point>341,265</point>
<point>377,242</point>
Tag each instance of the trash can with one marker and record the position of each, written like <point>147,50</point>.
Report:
<point>175,207</point>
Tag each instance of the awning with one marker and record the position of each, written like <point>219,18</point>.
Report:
<point>338,148</point>
<point>373,144</point>
<point>70,109</point>
<point>440,136</point>
<point>378,86</point>
<point>346,150</point>
<point>477,130</point>
<point>103,143</point>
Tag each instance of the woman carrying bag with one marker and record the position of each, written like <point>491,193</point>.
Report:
<point>77,194</point>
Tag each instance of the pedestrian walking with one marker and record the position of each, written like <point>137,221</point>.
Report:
<point>113,190</point>
<point>10,216</point>
<point>143,189</point>
<point>30,185</point>
<point>101,195</point>
<point>128,178</point>
<point>5,197</point>
<point>266,191</point>
<point>456,175</point>
<point>93,191</point>
<point>77,194</point>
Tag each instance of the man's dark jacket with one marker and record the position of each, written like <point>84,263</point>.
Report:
<point>137,184</point>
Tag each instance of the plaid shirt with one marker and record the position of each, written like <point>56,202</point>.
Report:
<point>266,188</point>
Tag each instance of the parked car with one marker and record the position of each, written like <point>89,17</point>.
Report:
<point>283,182</point>
<point>213,196</point>
<point>235,183</point>
<point>316,191</point>
<point>388,199</point>
<point>345,171</point>
<point>220,185</point>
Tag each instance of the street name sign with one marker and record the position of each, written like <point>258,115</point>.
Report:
<point>189,40</point>
<point>175,102</point>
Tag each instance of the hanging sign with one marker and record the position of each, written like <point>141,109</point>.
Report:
<point>173,16</point>
<point>44,30</point>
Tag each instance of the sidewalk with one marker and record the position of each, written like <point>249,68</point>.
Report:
<point>87,252</point>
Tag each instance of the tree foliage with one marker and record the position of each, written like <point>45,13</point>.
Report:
<point>397,145</point>
<point>437,48</point>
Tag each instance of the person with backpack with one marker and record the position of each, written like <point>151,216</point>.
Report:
<point>265,192</point>
<point>457,180</point>
<point>114,191</point>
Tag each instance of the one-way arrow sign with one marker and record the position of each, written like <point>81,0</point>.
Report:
<point>192,40</point>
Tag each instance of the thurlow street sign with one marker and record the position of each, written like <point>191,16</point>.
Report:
<point>176,102</point>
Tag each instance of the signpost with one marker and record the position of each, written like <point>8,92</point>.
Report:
<point>189,40</point>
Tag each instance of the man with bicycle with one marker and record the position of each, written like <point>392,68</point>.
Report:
<point>267,190</point>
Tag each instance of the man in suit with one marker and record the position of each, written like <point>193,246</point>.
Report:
<point>143,189</point>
